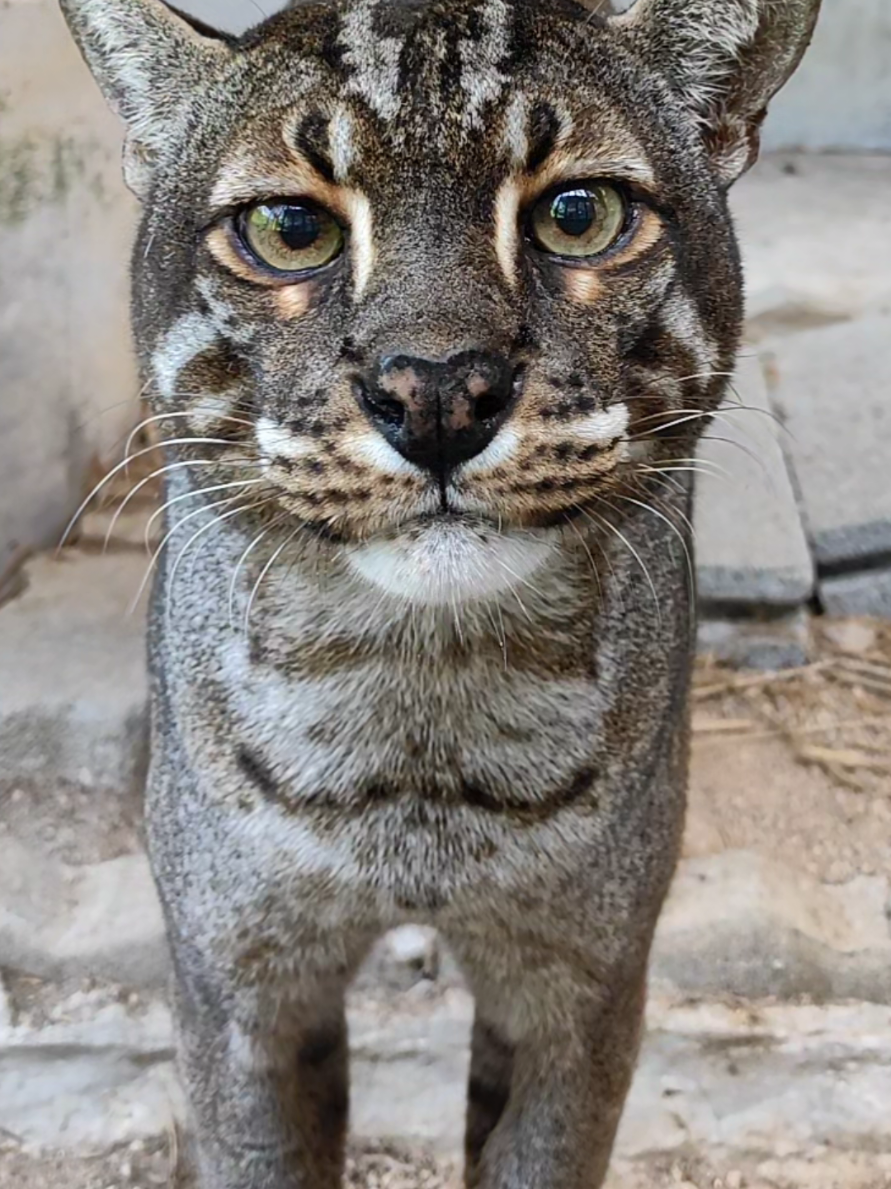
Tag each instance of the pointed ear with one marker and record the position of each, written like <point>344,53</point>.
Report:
<point>150,62</point>
<point>727,59</point>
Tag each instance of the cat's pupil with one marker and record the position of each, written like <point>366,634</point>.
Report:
<point>574,212</point>
<point>298,227</point>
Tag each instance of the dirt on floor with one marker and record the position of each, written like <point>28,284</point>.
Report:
<point>386,1167</point>
<point>795,765</point>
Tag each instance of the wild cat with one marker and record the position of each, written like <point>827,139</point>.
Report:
<point>433,299</point>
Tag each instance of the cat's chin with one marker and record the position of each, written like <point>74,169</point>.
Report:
<point>450,562</point>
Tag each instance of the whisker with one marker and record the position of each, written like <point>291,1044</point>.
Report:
<point>759,462</point>
<point>251,545</point>
<point>125,462</point>
<point>153,560</point>
<point>171,417</point>
<point>275,556</point>
<point>142,483</point>
<point>698,415</point>
<point>621,536</point>
<point>587,550</point>
<point>205,529</point>
<point>705,464</point>
<point>691,576</point>
<point>191,495</point>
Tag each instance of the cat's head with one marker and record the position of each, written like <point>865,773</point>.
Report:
<point>455,276</point>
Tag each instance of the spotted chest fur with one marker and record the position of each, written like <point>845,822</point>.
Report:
<point>433,300</point>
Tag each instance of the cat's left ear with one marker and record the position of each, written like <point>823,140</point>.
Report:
<point>150,63</point>
<point>726,59</point>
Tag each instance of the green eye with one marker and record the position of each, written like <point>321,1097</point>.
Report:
<point>291,236</point>
<point>581,220</point>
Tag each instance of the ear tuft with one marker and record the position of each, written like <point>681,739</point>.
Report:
<point>727,59</point>
<point>149,63</point>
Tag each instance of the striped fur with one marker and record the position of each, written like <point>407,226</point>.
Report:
<point>380,696</point>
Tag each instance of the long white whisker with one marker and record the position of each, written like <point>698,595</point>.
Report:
<point>153,560</point>
<point>691,576</point>
<point>120,466</point>
<point>188,495</point>
<point>142,483</point>
<point>587,550</point>
<point>602,519</point>
<point>698,415</point>
<point>172,416</point>
<point>275,556</point>
<point>205,529</point>
<point>251,545</point>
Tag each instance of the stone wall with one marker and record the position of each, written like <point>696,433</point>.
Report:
<point>67,383</point>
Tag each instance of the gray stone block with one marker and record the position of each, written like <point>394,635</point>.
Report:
<point>73,693</point>
<point>738,924</point>
<point>751,547</point>
<point>865,593</point>
<point>102,920</point>
<point>774,642</point>
<point>833,390</point>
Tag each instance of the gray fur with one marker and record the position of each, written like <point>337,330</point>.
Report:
<point>335,750</point>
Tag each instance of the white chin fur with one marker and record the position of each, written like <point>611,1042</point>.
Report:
<point>451,563</point>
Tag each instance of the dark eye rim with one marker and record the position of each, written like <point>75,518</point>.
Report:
<point>238,228</point>
<point>633,211</point>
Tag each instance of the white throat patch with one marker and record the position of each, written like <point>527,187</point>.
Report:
<point>448,564</point>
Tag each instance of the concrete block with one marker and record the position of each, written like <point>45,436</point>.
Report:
<point>73,693</point>
<point>102,920</point>
<point>769,642</point>
<point>840,98</point>
<point>90,1083</point>
<point>815,235</point>
<point>864,593</point>
<point>738,924</point>
<point>750,544</point>
<point>66,226</point>
<point>833,390</point>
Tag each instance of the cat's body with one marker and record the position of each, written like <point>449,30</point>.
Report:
<point>422,632</point>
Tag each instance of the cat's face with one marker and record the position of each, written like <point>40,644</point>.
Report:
<point>453,275</point>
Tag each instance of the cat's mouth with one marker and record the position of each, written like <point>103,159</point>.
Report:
<point>449,558</point>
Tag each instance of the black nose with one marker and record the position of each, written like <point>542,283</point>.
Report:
<point>439,414</point>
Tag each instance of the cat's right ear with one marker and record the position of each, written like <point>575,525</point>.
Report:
<point>150,64</point>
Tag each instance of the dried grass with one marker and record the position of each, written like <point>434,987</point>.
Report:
<point>834,712</point>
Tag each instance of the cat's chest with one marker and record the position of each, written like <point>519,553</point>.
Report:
<point>381,728</point>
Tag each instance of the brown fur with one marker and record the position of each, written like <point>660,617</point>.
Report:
<point>386,690</point>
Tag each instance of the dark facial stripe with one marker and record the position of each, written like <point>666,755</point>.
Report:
<point>310,138</point>
<point>544,128</point>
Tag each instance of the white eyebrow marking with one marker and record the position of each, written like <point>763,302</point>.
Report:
<point>507,209</point>
<point>361,240</point>
<point>340,138</point>
<point>602,427</point>
<point>277,441</point>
